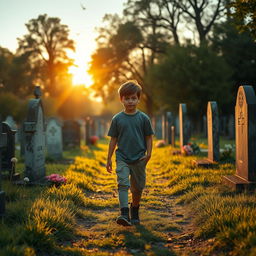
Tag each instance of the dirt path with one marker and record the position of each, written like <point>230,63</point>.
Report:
<point>166,227</point>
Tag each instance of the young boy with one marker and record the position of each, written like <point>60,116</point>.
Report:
<point>131,131</point>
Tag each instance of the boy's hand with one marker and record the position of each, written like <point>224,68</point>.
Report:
<point>146,158</point>
<point>109,166</point>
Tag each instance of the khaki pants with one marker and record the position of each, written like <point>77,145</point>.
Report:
<point>131,176</point>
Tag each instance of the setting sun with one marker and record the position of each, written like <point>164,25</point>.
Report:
<point>80,75</point>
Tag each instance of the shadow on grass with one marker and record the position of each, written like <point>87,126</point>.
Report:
<point>144,242</point>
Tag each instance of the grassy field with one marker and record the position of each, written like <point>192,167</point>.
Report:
<point>184,211</point>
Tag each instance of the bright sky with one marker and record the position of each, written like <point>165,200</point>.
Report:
<point>15,13</point>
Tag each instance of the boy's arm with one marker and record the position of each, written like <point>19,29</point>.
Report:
<point>111,148</point>
<point>149,142</point>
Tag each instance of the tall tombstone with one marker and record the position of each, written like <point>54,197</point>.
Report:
<point>184,125</point>
<point>164,126</point>
<point>173,136</point>
<point>54,138</point>
<point>245,123</point>
<point>35,139</point>
<point>87,130</point>
<point>71,133</point>
<point>213,131</point>
<point>3,143</point>
<point>168,127</point>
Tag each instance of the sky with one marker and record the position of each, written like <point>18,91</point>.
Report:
<point>82,23</point>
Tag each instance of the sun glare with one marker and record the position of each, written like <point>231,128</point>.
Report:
<point>80,76</point>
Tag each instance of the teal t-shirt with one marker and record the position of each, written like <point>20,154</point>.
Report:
<point>130,131</point>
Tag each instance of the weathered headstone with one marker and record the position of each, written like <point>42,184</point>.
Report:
<point>10,121</point>
<point>245,121</point>
<point>54,138</point>
<point>184,125</point>
<point>213,132</point>
<point>9,152</point>
<point>213,137</point>
<point>173,136</point>
<point>168,127</point>
<point>87,131</point>
<point>3,143</point>
<point>35,139</point>
<point>71,133</point>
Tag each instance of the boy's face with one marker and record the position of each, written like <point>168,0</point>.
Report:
<point>130,102</point>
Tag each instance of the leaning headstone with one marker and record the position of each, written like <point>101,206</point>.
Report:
<point>35,139</point>
<point>213,137</point>
<point>54,138</point>
<point>8,164</point>
<point>3,142</point>
<point>184,125</point>
<point>245,121</point>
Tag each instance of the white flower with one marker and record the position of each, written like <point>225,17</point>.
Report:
<point>14,160</point>
<point>26,179</point>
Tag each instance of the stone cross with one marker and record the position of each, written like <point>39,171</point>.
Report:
<point>183,124</point>
<point>3,143</point>
<point>54,138</point>
<point>245,122</point>
<point>213,131</point>
<point>35,141</point>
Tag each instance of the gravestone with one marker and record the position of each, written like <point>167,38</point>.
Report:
<point>184,125</point>
<point>9,120</point>
<point>168,127</point>
<point>9,152</point>
<point>245,122</point>
<point>213,132</point>
<point>3,143</point>
<point>213,137</point>
<point>87,131</point>
<point>173,136</point>
<point>35,139</point>
<point>82,130</point>
<point>163,119</point>
<point>71,133</point>
<point>54,138</point>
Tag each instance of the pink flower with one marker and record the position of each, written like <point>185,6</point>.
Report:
<point>187,150</point>
<point>56,179</point>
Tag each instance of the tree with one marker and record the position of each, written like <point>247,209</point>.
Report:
<point>245,13</point>
<point>239,51</point>
<point>202,13</point>
<point>192,75</point>
<point>5,64</point>
<point>46,44</point>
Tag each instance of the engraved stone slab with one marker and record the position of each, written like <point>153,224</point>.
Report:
<point>183,125</point>
<point>35,141</point>
<point>245,121</point>
<point>54,138</point>
<point>213,131</point>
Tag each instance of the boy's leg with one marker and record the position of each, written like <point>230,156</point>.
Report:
<point>123,173</point>
<point>138,181</point>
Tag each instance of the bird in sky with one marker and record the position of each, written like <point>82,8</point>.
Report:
<point>82,6</point>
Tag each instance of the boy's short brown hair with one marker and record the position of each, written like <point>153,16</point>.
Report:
<point>130,87</point>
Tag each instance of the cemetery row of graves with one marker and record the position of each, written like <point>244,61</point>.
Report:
<point>189,177</point>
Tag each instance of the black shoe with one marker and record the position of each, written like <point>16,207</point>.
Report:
<point>124,218</point>
<point>134,211</point>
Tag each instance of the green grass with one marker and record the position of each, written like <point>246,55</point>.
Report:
<point>79,218</point>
